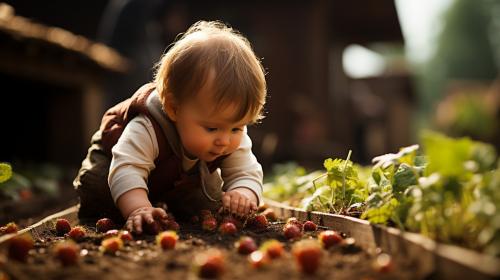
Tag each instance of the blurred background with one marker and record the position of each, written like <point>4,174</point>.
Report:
<point>360,75</point>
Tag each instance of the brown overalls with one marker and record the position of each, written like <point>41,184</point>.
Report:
<point>167,183</point>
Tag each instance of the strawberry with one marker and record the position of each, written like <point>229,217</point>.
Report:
<point>111,233</point>
<point>294,221</point>
<point>9,228</point>
<point>259,221</point>
<point>310,226</point>
<point>111,245</point>
<point>152,228</point>
<point>62,227</point>
<point>167,239</point>
<point>232,220</point>
<point>258,259</point>
<point>273,248</point>
<point>245,245</point>
<point>270,214</point>
<point>209,264</point>
<point>209,224</point>
<point>19,247</point>
<point>125,236</point>
<point>77,233</point>
<point>307,255</point>
<point>227,228</point>
<point>104,224</point>
<point>67,252</point>
<point>292,231</point>
<point>328,238</point>
<point>205,214</point>
<point>383,263</point>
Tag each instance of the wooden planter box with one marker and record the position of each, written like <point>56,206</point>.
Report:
<point>430,259</point>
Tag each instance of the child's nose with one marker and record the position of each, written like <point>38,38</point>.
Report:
<point>223,139</point>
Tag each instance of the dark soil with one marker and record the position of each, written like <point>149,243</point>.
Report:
<point>143,259</point>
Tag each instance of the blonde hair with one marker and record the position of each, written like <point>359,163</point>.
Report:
<point>239,75</point>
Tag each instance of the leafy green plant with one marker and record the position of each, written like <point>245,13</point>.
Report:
<point>450,191</point>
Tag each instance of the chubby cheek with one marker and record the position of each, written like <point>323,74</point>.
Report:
<point>196,144</point>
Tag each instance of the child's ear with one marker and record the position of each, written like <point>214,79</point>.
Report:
<point>171,107</point>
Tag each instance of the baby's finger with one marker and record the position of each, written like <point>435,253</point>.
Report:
<point>159,213</point>
<point>241,206</point>
<point>246,210</point>
<point>253,206</point>
<point>128,225</point>
<point>138,224</point>
<point>234,204</point>
<point>148,218</point>
<point>226,201</point>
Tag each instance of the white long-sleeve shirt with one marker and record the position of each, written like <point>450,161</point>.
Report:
<point>137,148</point>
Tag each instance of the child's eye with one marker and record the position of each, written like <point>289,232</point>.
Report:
<point>210,129</point>
<point>236,129</point>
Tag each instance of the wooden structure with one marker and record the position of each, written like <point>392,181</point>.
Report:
<point>52,95</point>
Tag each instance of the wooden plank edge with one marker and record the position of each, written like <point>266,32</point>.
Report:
<point>47,222</point>
<point>447,261</point>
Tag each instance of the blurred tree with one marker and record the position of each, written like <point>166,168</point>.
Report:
<point>465,50</point>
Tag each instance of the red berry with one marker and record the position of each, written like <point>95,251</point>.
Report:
<point>273,248</point>
<point>294,221</point>
<point>111,233</point>
<point>329,238</point>
<point>19,247</point>
<point>383,263</point>
<point>258,259</point>
<point>209,224</point>
<point>104,225</point>
<point>77,233</point>
<point>62,227</point>
<point>9,228</point>
<point>292,231</point>
<point>126,236</point>
<point>67,252</point>
<point>270,214</point>
<point>167,239</point>
<point>153,228</point>
<point>205,214</point>
<point>260,221</point>
<point>111,245</point>
<point>210,264</point>
<point>245,245</point>
<point>232,220</point>
<point>310,226</point>
<point>307,254</point>
<point>227,228</point>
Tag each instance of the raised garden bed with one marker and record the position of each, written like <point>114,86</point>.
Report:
<point>429,258</point>
<point>144,259</point>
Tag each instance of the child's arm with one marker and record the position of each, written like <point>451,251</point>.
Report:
<point>242,175</point>
<point>132,162</point>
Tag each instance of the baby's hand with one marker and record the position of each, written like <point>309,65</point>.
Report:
<point>240,201</point>
<point>144,215</point>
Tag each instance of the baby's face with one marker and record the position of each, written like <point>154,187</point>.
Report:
<point>207,134</point>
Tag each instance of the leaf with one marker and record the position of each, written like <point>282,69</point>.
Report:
<point>5,172</point>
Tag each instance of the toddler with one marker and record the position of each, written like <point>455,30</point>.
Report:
<point>182,139</point>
